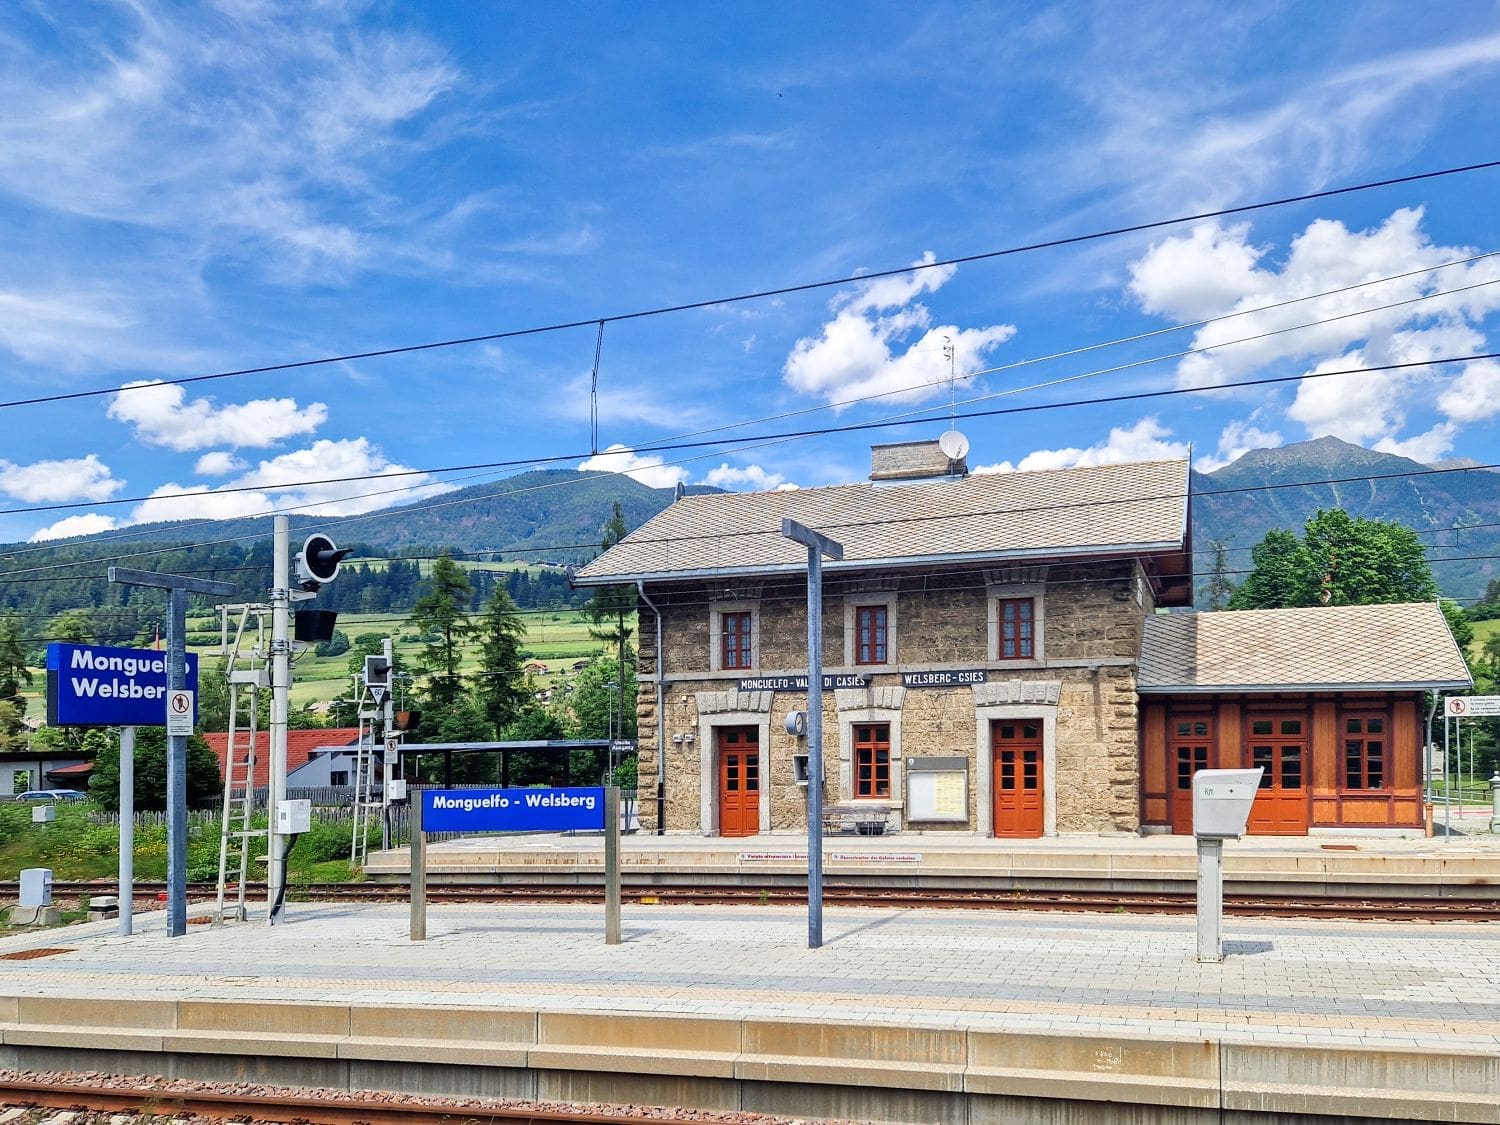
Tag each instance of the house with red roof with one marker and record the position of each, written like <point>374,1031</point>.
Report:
<point>314,758</point>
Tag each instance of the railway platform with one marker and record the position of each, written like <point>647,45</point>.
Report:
<point>1352,865</point>
<point>903,1015</point>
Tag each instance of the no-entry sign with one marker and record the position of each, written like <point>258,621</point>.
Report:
<point>1471,706</point>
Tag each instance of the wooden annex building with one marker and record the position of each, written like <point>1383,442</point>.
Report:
<point>1005,655</point>
<point>1328,700</point>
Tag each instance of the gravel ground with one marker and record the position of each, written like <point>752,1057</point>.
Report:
<point>459,1105</point>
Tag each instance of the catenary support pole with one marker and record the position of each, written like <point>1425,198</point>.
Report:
<point>178,587</point>
<point>176,772</point>
<point>611,865</point>
<point>817,546</point>
<point>281,682</point>
<point>127,831</point>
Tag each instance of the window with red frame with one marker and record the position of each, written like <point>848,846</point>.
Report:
<point>870,634</point>
<point>734,640</point>
<point>872,760</point>
<point>1364,752</point>
<point>1017,629</point>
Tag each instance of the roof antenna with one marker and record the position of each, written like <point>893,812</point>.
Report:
<point>952,383</point>
<point>679,492</point>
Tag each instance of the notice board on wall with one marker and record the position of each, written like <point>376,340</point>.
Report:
<point>937,789</point>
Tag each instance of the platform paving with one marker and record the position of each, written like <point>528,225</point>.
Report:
<point>1421,986</point>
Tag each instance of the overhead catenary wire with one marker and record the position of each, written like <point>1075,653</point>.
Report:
<point>911,414</point>
<point>780,291</point>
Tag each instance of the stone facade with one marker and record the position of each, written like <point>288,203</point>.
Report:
<point>1079,691</point>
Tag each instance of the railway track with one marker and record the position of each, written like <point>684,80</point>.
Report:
<point>320,1108</point>
<point>1377,908</point>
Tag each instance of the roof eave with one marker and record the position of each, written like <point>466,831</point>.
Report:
<point>1250,689</point>
<point>1122,550</point>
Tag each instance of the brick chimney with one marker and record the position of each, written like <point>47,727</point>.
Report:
<point>908,461</point>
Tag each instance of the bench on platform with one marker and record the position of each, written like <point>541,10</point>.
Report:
<point>855,820</point>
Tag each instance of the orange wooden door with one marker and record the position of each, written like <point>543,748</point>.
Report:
<point>1279,746</point>
<point>1017,751</point>
<point>739,781</point>
<point>1187,759</point>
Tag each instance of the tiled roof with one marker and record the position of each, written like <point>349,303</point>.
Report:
<point>1395,647</point>
<point>300,745</point>
<point>1058,513</point>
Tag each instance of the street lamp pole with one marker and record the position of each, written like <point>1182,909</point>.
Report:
<point>817,546</point>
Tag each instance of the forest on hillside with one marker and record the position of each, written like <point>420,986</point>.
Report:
<point>73,585</point>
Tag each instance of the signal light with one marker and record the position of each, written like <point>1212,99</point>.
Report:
<point>318,562</point>
<point>377,672</point>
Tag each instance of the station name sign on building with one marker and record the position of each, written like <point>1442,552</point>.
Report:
<point>799,683</point>
<point>513,810</point>
<point>99,686</point>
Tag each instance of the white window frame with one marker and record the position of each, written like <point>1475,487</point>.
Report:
<point>997,592</point>
<point>716,610</point>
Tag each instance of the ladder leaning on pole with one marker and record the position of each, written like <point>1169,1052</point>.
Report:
<point>247,674</point>
<point>368,762</point>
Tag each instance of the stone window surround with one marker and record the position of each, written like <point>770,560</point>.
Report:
<point>731,709</point>
<point>860,716</point>
<point>995,592</point>
<point>857,601</point>
<point>716,634</point>
<point>1000,701</point>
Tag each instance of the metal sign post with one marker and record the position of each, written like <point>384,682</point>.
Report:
<point>178,588</point>
<point>127,830</point>
<point>611,865</point>
<point>566,809</point>
<point>817,546</point>
<point>418,875</point>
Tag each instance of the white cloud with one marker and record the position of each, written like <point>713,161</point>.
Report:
<point>1237,439</point>
<point>282,482</point>
<point>649,469</point>
<point>89,524</point>
<point>860,353</point>
<point>219,463</point>
<point>1144,441</point>
<point>1475,394</point>
<point>751,478</point>
<point>243,128</point>
<point>43,482</point>
<point>162,415</point>
<point>1426,447</point>
<point>1215,271</point>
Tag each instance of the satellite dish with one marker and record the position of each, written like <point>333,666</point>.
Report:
<point>954,445</point>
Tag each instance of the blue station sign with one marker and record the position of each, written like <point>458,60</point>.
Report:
<point>513,810</point>
<point>98,686</point>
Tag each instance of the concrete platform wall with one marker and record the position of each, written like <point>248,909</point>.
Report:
<point>851,1071</point>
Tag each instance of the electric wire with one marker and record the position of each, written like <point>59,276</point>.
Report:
<point>781,291</point>
<point>823,431</point>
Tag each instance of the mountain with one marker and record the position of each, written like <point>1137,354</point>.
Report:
<point>549,515</point>
<point>555,516</point>
<point>1280,488</point>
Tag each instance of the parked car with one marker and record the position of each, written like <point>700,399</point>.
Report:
<point>52,795</point>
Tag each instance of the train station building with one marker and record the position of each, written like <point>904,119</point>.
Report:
<point>1005,655</point>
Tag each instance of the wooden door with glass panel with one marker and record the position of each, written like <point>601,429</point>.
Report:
<point>1278,744</point>
<point>738,750</point>
<point>1018,779</point>
<point>1192,746</point>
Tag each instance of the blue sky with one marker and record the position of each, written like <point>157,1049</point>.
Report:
<point>192,188</point>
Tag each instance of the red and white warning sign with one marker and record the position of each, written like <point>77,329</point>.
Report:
<point>179,712</point>
<point>1471,706</point>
